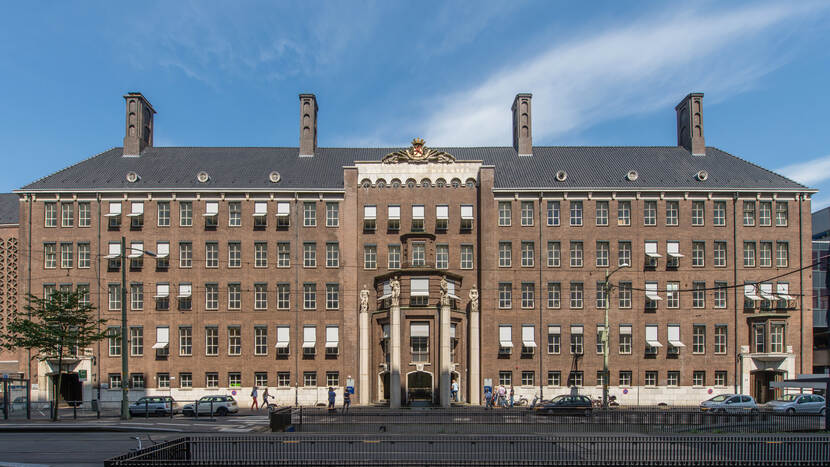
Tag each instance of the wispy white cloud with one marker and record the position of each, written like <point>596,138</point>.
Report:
<point>620,71</point>
<point>809,173</point>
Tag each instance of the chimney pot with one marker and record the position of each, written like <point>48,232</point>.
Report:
<point>308,125</point>
<point>139,124</point>
<point>690,124</point>
<point>522,124</point>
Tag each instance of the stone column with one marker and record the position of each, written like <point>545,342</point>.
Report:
<point>446,363</point>
<point>474,381</point>
<point>363,382</point>
<point>395,346</point>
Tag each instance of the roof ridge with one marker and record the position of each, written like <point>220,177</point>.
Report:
<point>67,168</point>
<point>759,167</point>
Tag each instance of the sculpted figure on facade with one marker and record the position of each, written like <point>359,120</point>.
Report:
<point>364,299</point>
<point>396,291</point>
<point>474,299</point>
<point>445,294</point>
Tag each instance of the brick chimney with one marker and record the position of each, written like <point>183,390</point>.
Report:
<point>139,131</point>
<point>690,124</point>
<point>522,128</point>
<point>308,125</point>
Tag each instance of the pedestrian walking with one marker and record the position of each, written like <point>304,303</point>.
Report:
<point>488,395</point>
<point>332,396</point>
<point>511,396</point>
<point>502,396</point>
<point>347,401</point>
<point>454,390</point>
<point>254,404</point>
<point>265,397</point>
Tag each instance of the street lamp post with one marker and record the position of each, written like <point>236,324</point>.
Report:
<point>605,375</point>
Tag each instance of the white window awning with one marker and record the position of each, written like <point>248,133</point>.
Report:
<point>651,337</point>
<point>136,250</point>
<point>749,293</point>
<point>370,212</point>
<point>766,292</point>
<point>451,290</point>
<point>576,329</point>
<point>162,250</point>
<point>160,345</point>
<point>115,209</point>
<point>211,209</point>
<point>394,212</point>
<point>260,209</point>
<point>673,249</point>
<point>625,329</point>
<point>466,211</point>
<point>162,337</point>
<point>185,291</point>
<point>309,337</point>
<point>419,329</point>
<point>553,329</point>
<point>452,330</point>
<point>783,291</point>
<point>283,334</point>
<point>419,287</point>
<point>418,211</point>
<point>505,336</point>
<point>651,291</point>
<point>528,337</point>
<point>385,331</point>
<point>162,291</point>
<point>387,291</point>
<point>283,209</point>
<point>114,250</point>
<point>651,250</point>
<point>136,209</point>
<point>442,212</point>
<point>332,337</point>
<point>674,336</point>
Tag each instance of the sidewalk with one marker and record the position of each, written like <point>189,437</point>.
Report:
<point>245,422</point>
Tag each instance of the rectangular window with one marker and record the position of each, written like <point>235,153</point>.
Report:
<point>749,213</point>
<point>720,378</point>
<point>370,257</point>
<point>211,380</point>
<point>332,214</point>
<point>309,255</point>
<point>505,295</point>
<point>673,252</point>
<point>625,378</point>
<point>527,254</point>
<point>67,255</point>
<point>602,295</point>
<point>283,296</point>
<point>49,256</point>
<point>442,217</point>
<point>394,258</point>
<point>765,254</point>
<point>185,380</point>
<point>185,213</point>
<point>776,337</point>
<point>234,214</point>
<point>466,257</point>
<point>234,340</point>
<point>163,380</point>
<point>720,295</point>
<point>698,294</point>
<point>137,381</point>
<point>698,213</point>
<point>162,255</point>
<point>749,254</point>
<point>765,213</point>
<point>283,255</point>
<point>283,215</point>
<point>651,254</point>
<point>553,213</point>
<point>332,379</point>
<point>720,339</point>
<point>185,296</point>
<point>527,213</point>
<point>332,255</point>
<point>554,295</point>
<point>393,218</point>
<point>369,218</point>
<point>576,213</point>
<point>260,255</point>
<point>719,213</point>
<point>505,254</point>
<point>577,254</point>
<point>67,214</point>
<point>602,213</point>
<point>418,218</point>
<point>84,214</point>
<point>136,341</point>
<point>309,296</point>
<point>624,294</point>
<point>309,214</point>
<point>650,378</point>
<point>83,290</point>
<point>211,341</point>
<point>114,297</point>
<point>782,254</point>
<point>577,295</point>
<point>781,214</point>
<point>163,212</point>
<point>505,213</point>
<point>211,255</point>
<point>505,378</point>
<point>554,254</point>
<point>114,215</point>
<point>234,255</point>
<point>50,214</point>
<point>234,380</point>
<point>185,341</point>
<point>600,346</point>
<point>554,340</point>
<point>261,379</point>
<point>673,378</point>
<point>672,212</point>
<point>442,256</point>
<point>625,339</point>
<point>650,213</point>
<point>760,337</point>
<point>136,215</point>
<point>623,212</point>
<point>466,217</point>
<point>136,297</point>
<point>332,296</point>
<point>260,296</point>
<point>185,255</point>
<point>528,295</point>
<point>720,254</point>
<point>114,339</point>
<point>284,339</point>
<point>624,254</point>
<point>672,295</point>
<point>576,379</point>
<point>554,378</point>
<point>603,253</point>
<point>211,296</point>
<point>528,378</point>
<point>419,341</point>
<point>698,339</point>
<point>698,378</point>
<point>283,379</point>
<point>234,296</point>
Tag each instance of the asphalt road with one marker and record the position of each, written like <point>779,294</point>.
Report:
<point>71,448</point>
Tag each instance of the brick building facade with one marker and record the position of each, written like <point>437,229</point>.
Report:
<point>397,271</point>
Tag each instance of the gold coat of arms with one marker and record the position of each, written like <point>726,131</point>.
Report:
<point>418,154</point>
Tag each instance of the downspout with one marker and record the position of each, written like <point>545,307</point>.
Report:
<point>737,373</point>
<point>98,295</point>
<point>801,285</point>
<point>541,288</point>
<point>299,296</point>
<point>29,288</point>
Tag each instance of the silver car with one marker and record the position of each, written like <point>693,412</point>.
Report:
<point>797,403</point>
<point>219,405</point>
<point>729,403</point>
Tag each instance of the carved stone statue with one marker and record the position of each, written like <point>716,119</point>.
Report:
<point>445,294</point>
<point>396,291</point>
<point>364,299</point>
<point>474,299</point>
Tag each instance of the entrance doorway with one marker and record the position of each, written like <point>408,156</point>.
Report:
<point>760,383</point>
<point>456,376</point>
<point>71,390</point>
<point>419,388</point>
<point>384,385</point>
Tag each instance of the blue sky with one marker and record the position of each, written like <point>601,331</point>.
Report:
<point>602,73</point>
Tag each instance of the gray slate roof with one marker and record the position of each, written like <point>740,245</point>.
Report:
<point>592,167</point>
<point>9,208</point>
<point>821,223</point>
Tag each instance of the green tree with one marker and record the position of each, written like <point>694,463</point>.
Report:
<point>54,327</point>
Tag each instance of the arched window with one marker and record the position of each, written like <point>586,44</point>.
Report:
<point>440,183</point>
<point>425,183</point>
<point>380,183</point>
<point>366,183</point>
<point>456,183</point>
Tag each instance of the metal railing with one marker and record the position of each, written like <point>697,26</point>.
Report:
<point>487,450</point>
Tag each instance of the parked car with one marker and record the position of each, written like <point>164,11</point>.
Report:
<point>222,405</point>
<point>566,404</point>
<point>729,403</point>
<point>797,403</point>
<point>153,405</point>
